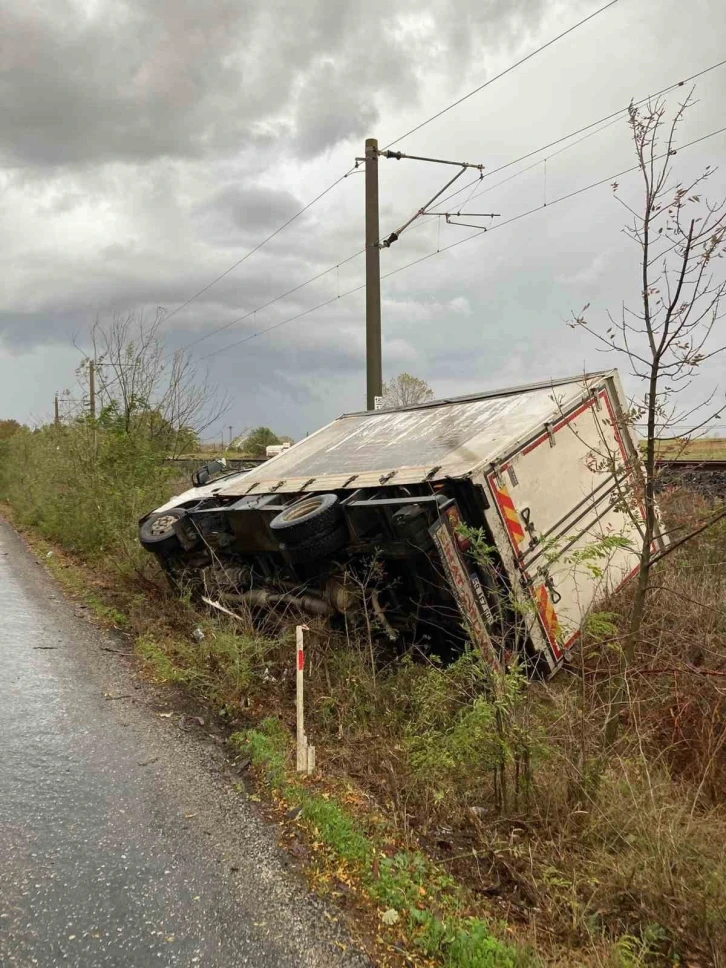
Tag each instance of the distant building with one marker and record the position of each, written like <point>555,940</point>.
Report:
<point>272,450</point>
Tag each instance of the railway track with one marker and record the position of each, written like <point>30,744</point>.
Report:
<point>234,463</point>
<point>706,476</point>
<point>688,465</point>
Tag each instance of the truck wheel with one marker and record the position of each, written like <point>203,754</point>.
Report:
<point>320,546</point>
<point>157,532</point>
<point>311,517</point>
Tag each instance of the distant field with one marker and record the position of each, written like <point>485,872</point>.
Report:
<point>704,449</point>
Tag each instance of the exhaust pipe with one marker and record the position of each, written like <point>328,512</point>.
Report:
<point>262,598</point>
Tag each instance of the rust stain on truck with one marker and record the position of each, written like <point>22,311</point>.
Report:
<point>543,473</point>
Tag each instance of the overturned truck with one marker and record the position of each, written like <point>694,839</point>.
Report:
<point>497,518</point>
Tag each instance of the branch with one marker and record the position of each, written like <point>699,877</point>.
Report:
<point>687,667</point>
<point>677,544</point>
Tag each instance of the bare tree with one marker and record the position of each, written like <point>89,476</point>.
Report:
<point>144,385</point>
<point>666,338</point>
<point>405,390</point>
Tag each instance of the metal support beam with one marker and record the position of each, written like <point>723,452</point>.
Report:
<point>398,155</point>
<point>374,366</point>
<point>393,237</point>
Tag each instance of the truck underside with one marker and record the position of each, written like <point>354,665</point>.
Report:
<point>369,560</point>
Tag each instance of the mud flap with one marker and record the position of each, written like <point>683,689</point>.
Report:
<point>465,585</point>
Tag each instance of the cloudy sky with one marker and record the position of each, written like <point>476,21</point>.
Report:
<point>147,145</point>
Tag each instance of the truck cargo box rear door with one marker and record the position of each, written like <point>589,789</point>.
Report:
<point>566,502</point>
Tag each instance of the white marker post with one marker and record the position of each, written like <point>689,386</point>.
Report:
<point>305,753</point>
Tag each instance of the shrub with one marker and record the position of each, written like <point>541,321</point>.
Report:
<point>86,488</point>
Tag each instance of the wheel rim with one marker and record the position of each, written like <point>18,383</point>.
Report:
<point>162,525</point>
<point>302,509</point>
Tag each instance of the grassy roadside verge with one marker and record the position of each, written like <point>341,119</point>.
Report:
<point>409,909</point>
<point>494,797</point>
<point>420,911</point>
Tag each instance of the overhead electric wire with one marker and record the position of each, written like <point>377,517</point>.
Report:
<point>259,245</point>
<point>253,312</point>
<point>536,164</point>
<point>538,208</point>
<point>490,188</point>
<point>317,198</point>
<point>284,322</point>
<point>418,127</point>
<point>501,74</point>
<point>609,118</point>
<point>593,124</point>
<point>453,245</point>
<point>613,116</point>
<point>504,181</point>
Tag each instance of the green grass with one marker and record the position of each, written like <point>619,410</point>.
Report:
<point>421,907</point>
<point>336,828</point>
<point>605,853</point>
<point>162,661</point>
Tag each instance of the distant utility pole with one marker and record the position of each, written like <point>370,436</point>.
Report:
<point>56,410</point>
<point>230,435</point>
<point>374,244</point>
<point>374,365</point>
<point>92,388</point>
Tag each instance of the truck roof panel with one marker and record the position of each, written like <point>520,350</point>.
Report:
<point>446,438</point>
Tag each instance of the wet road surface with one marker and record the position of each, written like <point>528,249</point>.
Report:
<point>122,839</point>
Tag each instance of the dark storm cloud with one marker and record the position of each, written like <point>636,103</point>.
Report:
<point>24,331</point>
<point>84,82</point>
<point>149,145</point>
<point>124,81</point>
<point>252,208</point>
<point>330,109</point>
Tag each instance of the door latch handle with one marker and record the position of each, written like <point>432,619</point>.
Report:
<point>554,594</point>
<point>526,516</point>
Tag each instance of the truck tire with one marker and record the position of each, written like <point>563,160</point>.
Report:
<point>319,546</point>
<point>311,517</point>
<point>157,532</point>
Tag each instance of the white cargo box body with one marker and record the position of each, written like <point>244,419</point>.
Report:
<point>555,465</point>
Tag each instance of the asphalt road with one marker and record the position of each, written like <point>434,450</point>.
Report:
<point>123,841</point>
